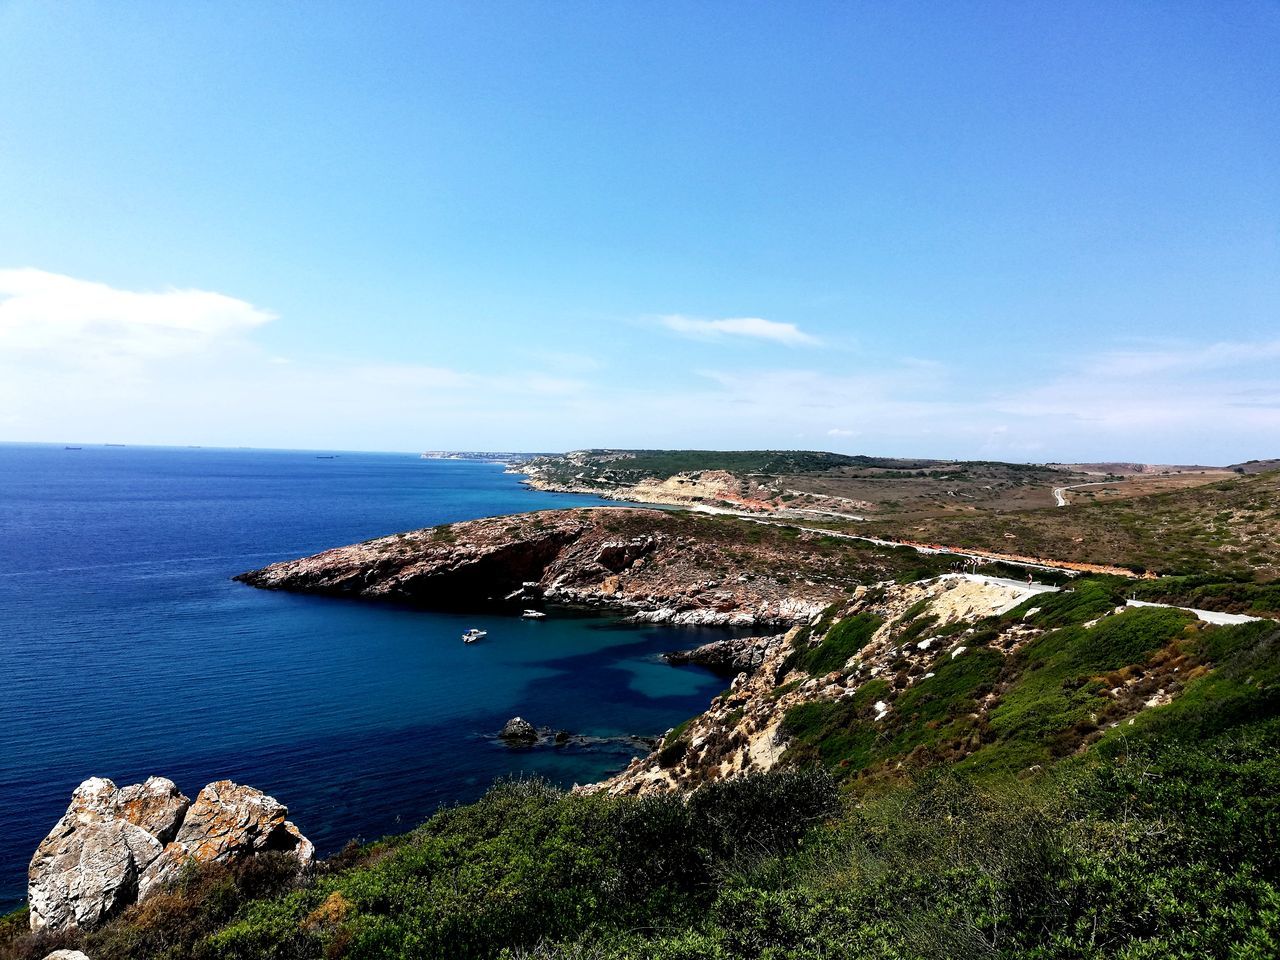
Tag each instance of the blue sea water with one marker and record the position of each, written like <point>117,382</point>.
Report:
<point>129,651</point>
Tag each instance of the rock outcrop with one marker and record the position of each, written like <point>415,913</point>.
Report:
<point>518,730</point>
<point>728,657</point>
<point>658,566</point>
<point>91,863</point>
<point>114,845</point>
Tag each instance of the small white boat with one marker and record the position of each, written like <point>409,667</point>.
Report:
<point>533,614</point>
<point>472,635</point>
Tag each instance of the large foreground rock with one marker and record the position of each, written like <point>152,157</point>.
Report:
<point>89,865</point>
<point>114,845</point>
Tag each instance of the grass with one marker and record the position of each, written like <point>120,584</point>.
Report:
<point>1084,601</point>
<point>835,733</point>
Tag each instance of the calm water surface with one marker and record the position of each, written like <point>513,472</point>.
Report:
<point>130,652</point>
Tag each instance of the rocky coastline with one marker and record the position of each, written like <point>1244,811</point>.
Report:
<point>649,565</point>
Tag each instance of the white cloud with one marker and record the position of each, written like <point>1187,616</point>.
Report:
<point>79,322</point>
<point>753,328</point>
<point>85,361</point>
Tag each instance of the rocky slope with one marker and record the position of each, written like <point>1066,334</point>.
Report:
<point>949,628</point>
<point>657,566</point>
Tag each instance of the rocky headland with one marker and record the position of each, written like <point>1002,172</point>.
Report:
<point>652,565</point>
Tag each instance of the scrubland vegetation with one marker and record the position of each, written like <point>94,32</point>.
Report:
<point>1224,531</point>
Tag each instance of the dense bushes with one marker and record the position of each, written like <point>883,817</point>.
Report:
<point>527,863</point>
<point>1212,593</point>
<point>1084,601</point>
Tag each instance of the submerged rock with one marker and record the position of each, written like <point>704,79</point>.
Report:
<point>114,845</point>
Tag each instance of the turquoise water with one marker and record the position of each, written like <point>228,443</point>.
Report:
<point>130,651</point>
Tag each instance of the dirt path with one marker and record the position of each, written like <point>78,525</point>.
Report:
<point>1029,563</point>
<point>1060,493</point>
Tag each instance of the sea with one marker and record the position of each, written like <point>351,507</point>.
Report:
<point>130,652</point>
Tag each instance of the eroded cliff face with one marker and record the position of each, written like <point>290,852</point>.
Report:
<point>699,488</point>
<point>657,566</point>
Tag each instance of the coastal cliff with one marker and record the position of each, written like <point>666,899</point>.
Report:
<point>653,565</point>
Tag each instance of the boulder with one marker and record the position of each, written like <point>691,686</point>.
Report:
<point>114,845</point>
<point>228,822</point>
<point>89,865</point>
<point>519,730</point>
<point>66,955</point>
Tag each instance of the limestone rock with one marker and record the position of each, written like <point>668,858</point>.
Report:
<point>87,868</point>
<point>114,845</point>
<point>66,955</point>
<point>229,821</point>
<point>729,657</point>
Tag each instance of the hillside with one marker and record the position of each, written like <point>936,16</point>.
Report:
<point>1229,528</point>
<point>808,484</point>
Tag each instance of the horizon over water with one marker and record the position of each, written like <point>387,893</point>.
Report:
<point>132,653</point>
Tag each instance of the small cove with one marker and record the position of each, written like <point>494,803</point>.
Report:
<point>132,653</point>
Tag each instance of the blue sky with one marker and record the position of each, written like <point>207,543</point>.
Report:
<point>1026,231</point>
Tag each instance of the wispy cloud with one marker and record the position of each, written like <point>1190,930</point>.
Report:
<point>1183,358</point>
<point>751,328</point>
<point>91,324</point>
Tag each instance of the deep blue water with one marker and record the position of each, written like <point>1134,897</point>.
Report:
<point>130,652</point>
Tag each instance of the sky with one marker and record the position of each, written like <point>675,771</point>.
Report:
<point>1020,231</point>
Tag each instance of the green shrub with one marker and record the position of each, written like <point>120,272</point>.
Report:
<point>840,644</point>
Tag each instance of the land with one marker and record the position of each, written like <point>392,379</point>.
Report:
<point>809,485</point>
<point>658,566</point>
<point>484,456</point>
<point>921,751</point>
<point>1228,528</point>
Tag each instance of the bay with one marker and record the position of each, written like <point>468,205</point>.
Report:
<point>130,651</point>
